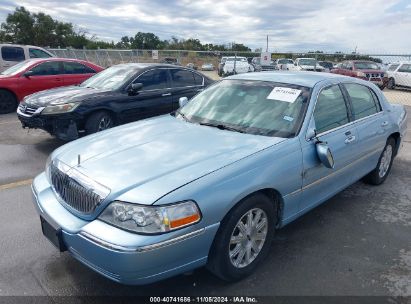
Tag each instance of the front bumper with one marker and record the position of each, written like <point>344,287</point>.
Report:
<point>64,126</point>
<point>119,255</point>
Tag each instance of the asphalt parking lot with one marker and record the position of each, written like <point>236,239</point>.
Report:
<point>356,244</point>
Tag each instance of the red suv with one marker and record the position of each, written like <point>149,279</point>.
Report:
<point>367,70</point>
<point>35,75</point>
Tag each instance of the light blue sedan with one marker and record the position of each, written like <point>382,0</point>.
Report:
<point>209,184</point>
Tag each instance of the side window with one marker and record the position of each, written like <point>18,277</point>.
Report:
<point>198,79</point>
<point>71,67</point>
<point>393,67</point>
<point>348,66</point>
<point>330,111</point>
<point>405,68</point>
<point>12,53</point>
<point>182,78</point>
<point>37,53</point>
<point>153,79</point>
<point>362,101</point>
<point>47,68</point>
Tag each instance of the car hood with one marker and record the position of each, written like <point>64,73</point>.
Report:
<point>64,95</point>
<point>143,161</point>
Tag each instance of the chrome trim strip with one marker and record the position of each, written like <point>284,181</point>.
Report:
<point>330,175</point>
<point>338,171</point>
<point>146,248</point>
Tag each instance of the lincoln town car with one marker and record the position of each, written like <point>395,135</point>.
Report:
<point>209,184</point>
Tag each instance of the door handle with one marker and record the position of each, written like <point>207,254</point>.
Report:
<point>166,94</point>
<point>350,139</point>
<point>384,124</point>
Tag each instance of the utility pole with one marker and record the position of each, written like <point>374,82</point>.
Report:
<point>266,49</point>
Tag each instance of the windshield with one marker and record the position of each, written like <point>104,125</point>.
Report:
<point>111,78</point>
<point>366,66</point>
<point>255,107</point>
<point>17,68</point>
<point>285,61</point>
<point>307,61</point>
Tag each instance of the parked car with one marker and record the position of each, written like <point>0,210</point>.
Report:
<point>191,66</point>
<point>220,69</point>
<point>171,60</point>
<point>35,75</point>
<point>258,66</point>
<point>363,69</point>
<point>236,65</point>
<point>284,64</point>
<point>307,64</point>
<point>399,75</point>
<point>120,94</point>
<point>210,184</point>
<point>327,65</point>
<point>14,53</point>
<point>207,67</point>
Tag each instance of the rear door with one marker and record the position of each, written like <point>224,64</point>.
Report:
<point>11,55</point>
<point>372,125</point>
<point>153,99</point>
<point>75,72</point>
<point>184,84</point>
<point>46,75</point>
<point>333,123</point>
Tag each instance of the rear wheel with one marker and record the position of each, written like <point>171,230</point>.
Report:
<point>8,102</point>
<point>99,121</point>
<point>380,173</point>
<point>391,84</point>
<point>244,238</point>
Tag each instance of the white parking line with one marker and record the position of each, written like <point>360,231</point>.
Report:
<point>16,184</point>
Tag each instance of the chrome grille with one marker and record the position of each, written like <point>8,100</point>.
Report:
<point>29,110</point>
<point>73,193</point>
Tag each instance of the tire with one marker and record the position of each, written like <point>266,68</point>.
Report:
<point>8,102</point>
<point>391,84</point>
<point>383,168</point>
<point>99,121</point>
<point>227,241</point>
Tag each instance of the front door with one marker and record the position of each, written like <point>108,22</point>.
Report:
<point>152,100</point>
<point>45,76</point>
<point>403,75</point>
<point>332,121</point>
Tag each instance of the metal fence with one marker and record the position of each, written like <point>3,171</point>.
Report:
<point>109,57</point>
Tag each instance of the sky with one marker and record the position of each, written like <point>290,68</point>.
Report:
<point>373,26</point>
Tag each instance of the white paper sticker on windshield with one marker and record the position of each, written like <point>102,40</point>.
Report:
<point>284,94</point>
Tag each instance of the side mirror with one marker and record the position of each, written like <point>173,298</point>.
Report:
<point>182,101</point>
<point>28,74</point>
<point>325,155</point>
<point>135,87</point>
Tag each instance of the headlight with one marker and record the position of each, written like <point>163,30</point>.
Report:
<point>361,74</point>
<point>151,219</point>
<point>63,108</point>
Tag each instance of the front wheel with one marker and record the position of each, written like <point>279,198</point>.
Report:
<point>99,121</point>
<point>244,238</point>
<point>380,173</point>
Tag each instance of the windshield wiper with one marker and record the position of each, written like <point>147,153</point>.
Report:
<point>182,115</point>
<point>222,127</point>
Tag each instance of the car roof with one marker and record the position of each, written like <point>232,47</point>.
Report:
<point>149,65</point>
<point>302,78</point>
